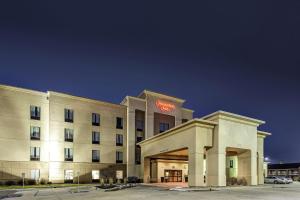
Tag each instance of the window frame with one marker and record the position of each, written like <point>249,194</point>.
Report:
<point>68,154</point>
<point>33,132</point>
<point>119,139</point>
<point>119,123</point>
<point>96,119</point>
<point>95,141</point>
<point>119,154</point>
<point>69,115</point>
<point>97,158</point>
<point>35,112</point>
<point>36,153</point>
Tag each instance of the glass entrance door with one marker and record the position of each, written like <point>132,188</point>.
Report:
<point>173,175</point>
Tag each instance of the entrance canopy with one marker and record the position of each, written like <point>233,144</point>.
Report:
<point>185,142</point>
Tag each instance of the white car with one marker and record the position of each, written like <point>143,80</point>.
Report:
<point>274,180</point>
<point>288,180</point>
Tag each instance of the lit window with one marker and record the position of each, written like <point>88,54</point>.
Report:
<point>69,175</point>
<point>35,132</point>
<point>68,135</point>
<point>35,153</point>
<point>95,175</point>
<point>231,163</point>
<point>119,140</point>
<point>35,174</point>
<point>35,112</point>
<point>68,154</point>
<point>95,119</point>
<point>69,115</point>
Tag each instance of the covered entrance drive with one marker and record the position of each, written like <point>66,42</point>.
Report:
<point>178,155</point>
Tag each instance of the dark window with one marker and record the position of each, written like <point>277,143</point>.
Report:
<point>95,137</point>
<point>68,154</point>
<point>119,124</point>
<point>137,155</point>
<point>35,112</point>
<point>139,139</point>
<point>139,125</point>
<point>69,115</point>
<point>95,155</point>
<point>184,120</point>
<point>231,163</point>
<point>119,157</point>
<point>119,140</point>
<point>95,119</point>
<point>69,135</point>
<point>163,127</point>
<point>34,153</point>
<point>35,132</point>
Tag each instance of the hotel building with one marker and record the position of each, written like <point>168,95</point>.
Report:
<point>60,137</point>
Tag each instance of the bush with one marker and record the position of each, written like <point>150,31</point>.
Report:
<point>43,181</point>
<point>1,183</point>
<point>30,182</point>
<point>49,182</point>
<point>10,183</point>
<point>242,181</point>
<point>20,182</point>
<point>232,181</point>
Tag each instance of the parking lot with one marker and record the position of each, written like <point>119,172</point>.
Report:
<point>286,192</point>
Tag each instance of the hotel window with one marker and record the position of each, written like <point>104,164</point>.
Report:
<point>95,119</point>
<point>69,135</point>
<point>95,137</point>
<point>35,153</point>
<point>119,157</point>
<point>137,155</point>
<point>163,127</point>
<point>35,132</point>
<point>35,174</point>
<point>119,140</point>
<point>69,115</point>
<point>35,112</point>
<point>68,154</point>
<point>231,163</point>
<point>184,120</point>
<point>95,175</point>
<point>139,125</point>
<point>95,155</point>
<point>68,175</point>
<point>119,124</point>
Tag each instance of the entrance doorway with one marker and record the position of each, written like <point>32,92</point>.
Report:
<point>173,175</point>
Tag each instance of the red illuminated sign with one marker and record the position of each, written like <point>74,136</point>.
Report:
<point>164,106</point>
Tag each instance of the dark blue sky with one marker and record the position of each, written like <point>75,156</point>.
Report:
<point>237,56</point>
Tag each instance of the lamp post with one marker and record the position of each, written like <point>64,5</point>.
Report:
<point>23,179</point>
<point>78,173</point>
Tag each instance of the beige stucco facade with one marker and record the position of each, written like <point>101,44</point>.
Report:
<point>161,140</point>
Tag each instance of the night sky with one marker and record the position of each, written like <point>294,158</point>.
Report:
<point>237,56</point>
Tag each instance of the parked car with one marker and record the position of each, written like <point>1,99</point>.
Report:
<point>288,179</point>
<point>274,180</point>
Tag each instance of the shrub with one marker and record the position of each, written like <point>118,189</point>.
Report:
<point>30,182</point>
<point>49,182</point>
<point>1,183</point>
<point>43,181</point>
<point>232,181</point>
<point>10,183</point>
<point>242,181</point>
